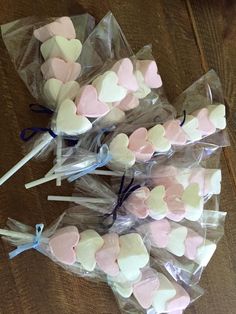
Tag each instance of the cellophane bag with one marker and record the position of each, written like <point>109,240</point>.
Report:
<point>152,134</point>
<point>24,48</point>
<point>109,257</point>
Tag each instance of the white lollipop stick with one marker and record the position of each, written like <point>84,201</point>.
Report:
<point>108,173</point>
<point>117,174</point>
<point>78,199</point>
<point>44,180</point>
<point>52,170</point>
<point>59,159</point>
<point>47,139</point>
<point>16,235</point>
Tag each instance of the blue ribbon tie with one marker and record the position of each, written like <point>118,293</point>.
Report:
<point>103,157</point>
<point>28,246</point>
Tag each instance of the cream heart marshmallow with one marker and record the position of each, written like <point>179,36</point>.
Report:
<point>122,156</point>
<point>56,92</point>
<point>90,242</point>
<point>108,89</point>
<point>68,122</point>
<point>60,47</point>
<point>133,255</point>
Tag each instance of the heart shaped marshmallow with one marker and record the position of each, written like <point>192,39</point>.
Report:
<point>159,233</point>
<point>145,289</point>
<point>164,293</point>
<point>174,133</point>
<point>143,89</point>
<point>68,122</point>
<point>122,156</point>
<point>136,202</point>
<point>205,252</point>
<point>108,89</point>
<point>190,127</point>
<point>90,242</point>
<point>88,104</point>
<point>192,243</point>
<point>213,179</point>
<point>128,103</point>
<point>173,198</point>
<point>63,243</point>
<point>139,144</point>
<point>56,92</point>
<point>114,116</point>
<point>205,126</point>
<point>157,206</point>
<point>164,175</point>
<point>121,285</point>
<point>124,70</point>
<point>106,257</point>
<point>156,136</point>
<point>60,70</point>
<point>60,47</point>
<point>217,116</point>
<point>180,301</point>
<point>133,255</point>
<point>149,70</point>
<point>62,26</point>
<point>193,202</point>
<point>176,242</point>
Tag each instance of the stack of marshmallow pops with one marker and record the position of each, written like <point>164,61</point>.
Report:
<point>163,214</point>
<point>122,260</point>
<point>77,108</point>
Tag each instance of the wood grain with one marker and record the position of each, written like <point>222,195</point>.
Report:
<point>188,38</point>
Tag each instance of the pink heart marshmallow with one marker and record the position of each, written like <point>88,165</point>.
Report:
<point>204,124</point>
<point>192,242</point>
<point>135,203</point>
<point>106,257</point>
<point>180,301</point>
<point>198,176</point>
<point>149,70</point>
<point>88,104</point>
<point>159,232</point>
<point>176,208</point>
<point>60,70</point>
<point>164,175</point>
<point>128,103</point>
<point>60,27</point>
<point>126,78</point>
<point>138,144</point>
<point>63,243</point>
<point>146,287</point>
<point>174,133</point>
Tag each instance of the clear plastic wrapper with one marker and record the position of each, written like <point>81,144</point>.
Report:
<point>167,206</point>
<point>183,248</point>
<point>121,260</point>
<point>144,138</point>
<point>24,48</point>
<point>197,164</point>
<point>100,87</point>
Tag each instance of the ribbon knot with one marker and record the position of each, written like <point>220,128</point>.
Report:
<point>103,157</point>
<point>33,245</point>
<point>123,194</point>
<point>27,133</point>
<point>97,141</point>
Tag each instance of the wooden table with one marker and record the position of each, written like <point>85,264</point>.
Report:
<point>188,38</point>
